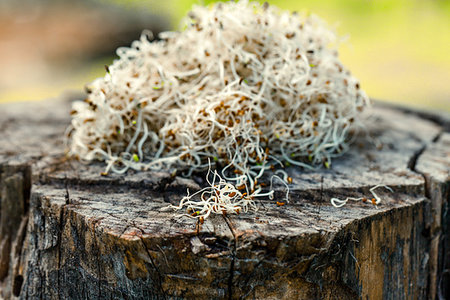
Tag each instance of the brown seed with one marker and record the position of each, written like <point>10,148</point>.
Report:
<point>290,35</point>
<point>88,120</point>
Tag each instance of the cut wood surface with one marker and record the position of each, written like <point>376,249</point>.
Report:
<point>66,232</point>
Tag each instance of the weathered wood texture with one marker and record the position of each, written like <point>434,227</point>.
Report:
<point>434,165</point>
<point>68,233</point>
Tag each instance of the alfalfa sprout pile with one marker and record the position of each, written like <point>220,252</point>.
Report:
<point>243,86</point>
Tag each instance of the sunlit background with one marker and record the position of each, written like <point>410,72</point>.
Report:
<point>399,49</point>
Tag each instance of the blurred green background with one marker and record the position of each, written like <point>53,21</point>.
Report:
<point>399,49</point>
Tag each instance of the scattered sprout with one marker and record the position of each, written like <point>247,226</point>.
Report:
<point>220,197</point>
<point>375,200</point>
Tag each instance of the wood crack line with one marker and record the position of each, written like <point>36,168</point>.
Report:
<point>233,257</point>
<point>413,161</point>
<point>434,258</point>
<point>60,230</point>
<point>160,287</point>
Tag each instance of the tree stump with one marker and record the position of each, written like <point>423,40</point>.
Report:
<point>66,232</point>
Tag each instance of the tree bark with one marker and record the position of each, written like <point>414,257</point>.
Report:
<point>66,232</point>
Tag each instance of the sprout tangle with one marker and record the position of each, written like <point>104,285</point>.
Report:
<point>248,86</point>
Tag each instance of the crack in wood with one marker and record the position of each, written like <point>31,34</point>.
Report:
<point>413,160</point>
<point>60,243</point>
<point>155,267</point>
<point>436,229</point>
<point>233,257</point>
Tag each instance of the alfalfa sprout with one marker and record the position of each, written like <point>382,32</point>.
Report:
<point>247,86</point>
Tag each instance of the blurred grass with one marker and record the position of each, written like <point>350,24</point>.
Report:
<point>59,83</point>
<point>399,49</point>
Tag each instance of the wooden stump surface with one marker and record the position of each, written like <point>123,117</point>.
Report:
<point>66,232</point>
